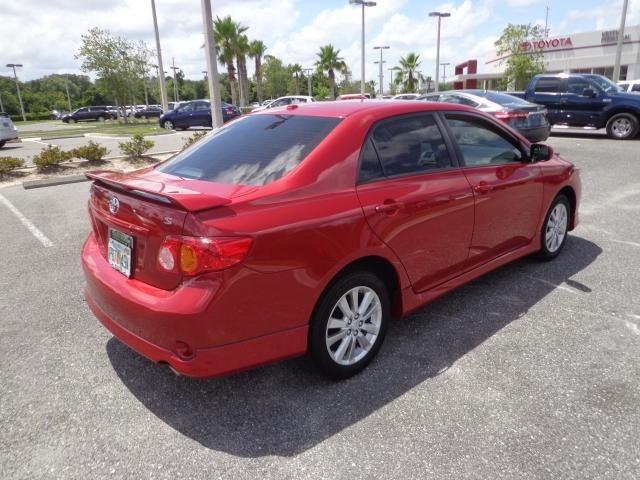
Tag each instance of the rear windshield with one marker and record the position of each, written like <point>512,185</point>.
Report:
<point>503,99</point>
<point>254,150</point>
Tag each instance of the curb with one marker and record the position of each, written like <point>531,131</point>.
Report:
<point>50,182</point>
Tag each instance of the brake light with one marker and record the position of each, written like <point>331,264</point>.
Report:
<point>195,255</point>
<point>230,110</point>
<point>506,116</point>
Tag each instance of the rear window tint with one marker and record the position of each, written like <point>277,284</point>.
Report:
<point>547,85</point>
<point>254,150</point>
<point>503,99</point>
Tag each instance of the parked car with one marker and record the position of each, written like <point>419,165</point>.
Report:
<point>631,86</point>
<point>8,132</point>
<point>195,113</point>
<point>406,96</point>
<point>527,118</point>
<point>84,114</point>
<point>309,228</point>
<point>352,96</point>
<point>585,100</point>
<point>284,101</point>
<point>148,112</point>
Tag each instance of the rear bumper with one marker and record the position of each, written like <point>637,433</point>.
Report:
<point>156,322</point>
<point>537,134</point>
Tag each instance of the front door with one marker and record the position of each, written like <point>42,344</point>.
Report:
<point>507,187</point>
<point>416,199</point>
<point>581,110</point>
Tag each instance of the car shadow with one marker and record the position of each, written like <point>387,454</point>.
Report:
<point>287,408</point>
<point>579,134</point>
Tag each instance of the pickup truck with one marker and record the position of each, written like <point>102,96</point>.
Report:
<point>585,100</point>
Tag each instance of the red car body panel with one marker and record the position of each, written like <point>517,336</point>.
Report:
<point>306,228</point>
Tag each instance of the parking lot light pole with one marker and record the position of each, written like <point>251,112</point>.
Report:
<point>440,15</point>
<point>616,65</point>
<point>444,71</point>
<point>378,62</point>
<point>363,3</point>
<point>163,86</point>
<point>390,77</point>
<point>66,87</point>
<point>308,72</point>
<point>212,65</point>
<point>176,95</point>
<point>385,47</point>
<point>15,75</point>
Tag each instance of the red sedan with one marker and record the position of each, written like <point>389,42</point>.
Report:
<point>307,228</point>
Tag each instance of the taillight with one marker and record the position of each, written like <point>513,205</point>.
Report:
<point>195,255</point>
<point>230,110</point>
<point>506,116</point>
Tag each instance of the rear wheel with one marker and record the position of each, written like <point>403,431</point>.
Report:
<point>554,230</point>
<point>349,324</point>
<point>622,126</point>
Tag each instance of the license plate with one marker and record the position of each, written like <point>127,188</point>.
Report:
<point>120,251</point>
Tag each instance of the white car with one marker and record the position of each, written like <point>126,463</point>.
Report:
<point>283,101</point>
<point>8,132</point>
<point>631,86</point>
<point>406,96</point>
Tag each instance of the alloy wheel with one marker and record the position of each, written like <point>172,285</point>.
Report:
<point>354,325</point>
<point>556,228</point>
<point>621,127</point>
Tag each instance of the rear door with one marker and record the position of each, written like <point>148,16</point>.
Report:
<point>507,187</point>
<point>416,199</point>
<point>201,114</point>
<point>547,92</point>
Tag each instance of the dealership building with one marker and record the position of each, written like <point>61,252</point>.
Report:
<point>588,52</point>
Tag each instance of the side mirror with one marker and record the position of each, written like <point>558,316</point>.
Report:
<point>588,92</point>
<point>540,152</point>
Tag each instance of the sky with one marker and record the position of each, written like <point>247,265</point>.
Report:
<point>44,35</point>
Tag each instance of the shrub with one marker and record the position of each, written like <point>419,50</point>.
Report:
<point>50,157</point>
<point>8,164</point>
<point>91,152</point>
<point>194,138</point>
<point>136,147</point>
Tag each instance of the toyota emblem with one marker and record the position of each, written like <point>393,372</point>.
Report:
<point>114,205</point>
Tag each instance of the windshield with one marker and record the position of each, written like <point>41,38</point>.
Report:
<point>604,83</point>
<point>278,144</point>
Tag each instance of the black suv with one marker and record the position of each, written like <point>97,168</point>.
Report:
<point>83,114</point>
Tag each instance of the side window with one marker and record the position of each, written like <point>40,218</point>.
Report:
<point>547,85</point>
<point>464,101</point>
<point>635,87</point>
<point>187,107</point>
<point>201,106</point>
<point>480,144</point>
<point>83,110</point>
<point>577,85</point>
<point>370,168</point>
<point>410,145</point>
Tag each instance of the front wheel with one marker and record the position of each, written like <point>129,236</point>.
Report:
<point>554,230</point>
<point>72,120</point>
<point>2,144</point>
<point>168,124</point>
<point>349,324</point>
<point>622,126</point>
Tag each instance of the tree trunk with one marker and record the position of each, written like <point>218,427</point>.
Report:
<point>259,79</point>
<point>332,81</point>
<point>232,82</point>
<point>297,87</point>
<point>242,78</point>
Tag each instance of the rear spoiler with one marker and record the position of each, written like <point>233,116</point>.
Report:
<point>167,193</point>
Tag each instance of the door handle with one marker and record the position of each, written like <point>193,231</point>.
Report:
<point>483,187</point>
<point>389,206</point>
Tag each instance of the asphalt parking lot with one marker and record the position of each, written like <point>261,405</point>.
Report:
<point>532,371</point>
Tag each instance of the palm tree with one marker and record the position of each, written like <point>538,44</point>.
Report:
<point>296,70</point>
<point>225,33</point>
<point>407,71</point>
<point>256,51</point>
<point>242,50</point>
<point>329,60</point>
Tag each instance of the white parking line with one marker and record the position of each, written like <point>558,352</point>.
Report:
<point>37,141</point>
<point>42,238</point>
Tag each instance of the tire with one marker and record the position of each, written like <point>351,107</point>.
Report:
<point>72,120</point>
<point>356,340</point>
<point>168,124</point>
<point>2,144</point>
<point>622,126</point>
<point>143,117</point>
<point>554,230</point>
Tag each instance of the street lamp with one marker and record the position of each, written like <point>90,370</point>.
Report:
<point>308,78</point>
<point>440,15</point>
<point>444,71</point>
<point>176,95</point>
<point>390,77</point>
<point>15,75</point>
<point>386,47</point>
<point>163,87</point>
<point>364,4</point>
<point>381,75</point>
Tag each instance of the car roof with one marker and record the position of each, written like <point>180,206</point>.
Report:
<point>346,108</point>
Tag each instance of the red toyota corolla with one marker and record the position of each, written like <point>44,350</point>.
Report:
<point>308,228</point>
